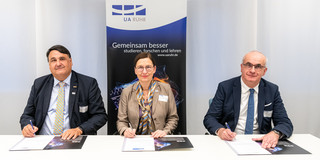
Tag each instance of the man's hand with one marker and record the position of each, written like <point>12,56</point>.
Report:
<point>71,133</point>
<point>226,134</point>
<point>269,140</point>
<point>27,131</point>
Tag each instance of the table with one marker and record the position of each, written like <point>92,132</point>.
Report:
<point>109,147</point>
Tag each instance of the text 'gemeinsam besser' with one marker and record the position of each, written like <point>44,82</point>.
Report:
<point>139,45</point>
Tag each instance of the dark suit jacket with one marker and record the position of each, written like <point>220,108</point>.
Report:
<point>84,91</point>
<point>225,107</point>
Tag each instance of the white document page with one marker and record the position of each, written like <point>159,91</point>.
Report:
<point>34,143</point>
<point>246,147</point>
<point>138,144</point>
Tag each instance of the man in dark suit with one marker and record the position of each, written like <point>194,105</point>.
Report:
<point>77,101</point>
<point>230,114</point>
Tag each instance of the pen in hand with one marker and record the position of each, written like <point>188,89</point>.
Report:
<point>132,130</point>
<point>228,127</point>
<point>31,125</point>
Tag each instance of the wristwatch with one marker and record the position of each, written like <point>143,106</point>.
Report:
<point>278,133</point>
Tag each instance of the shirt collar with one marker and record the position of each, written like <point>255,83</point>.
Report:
<point>245,88</point>
<point>66,81</point>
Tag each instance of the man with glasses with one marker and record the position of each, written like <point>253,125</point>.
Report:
<point>247,104</point>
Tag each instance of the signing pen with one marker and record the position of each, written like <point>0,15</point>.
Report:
<point>130,125</point>
<point>31,125</point>
<point>132,129</point>
<point>227,126</point>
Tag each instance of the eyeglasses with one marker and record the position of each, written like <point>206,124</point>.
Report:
<point>141,68</point>
<point>249,65</point>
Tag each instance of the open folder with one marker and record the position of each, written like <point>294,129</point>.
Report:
<point>250,147</point>
<point>34,143</point>
<point>147,143</point>
<point>41,142</point>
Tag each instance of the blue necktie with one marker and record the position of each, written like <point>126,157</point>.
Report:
<point>250,114</point>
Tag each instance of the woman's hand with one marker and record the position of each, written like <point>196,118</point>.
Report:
<point>129,133</point>
<point>158,134</point>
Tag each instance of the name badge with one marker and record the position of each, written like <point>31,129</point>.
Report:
<point>83,109</point>
<point>163,98</point>
<point>267,114</point>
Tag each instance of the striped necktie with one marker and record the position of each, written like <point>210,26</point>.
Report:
<point>58,123</point>
<point>145,125</point>
<point>250,113</point>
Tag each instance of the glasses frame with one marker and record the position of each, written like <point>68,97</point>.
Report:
<point>249,65</point>
<point>142,68</point>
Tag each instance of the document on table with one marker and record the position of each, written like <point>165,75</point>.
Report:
<point>34,143</point>
<point>58,143</point>
<point>247,147</point>
<point>138,144</point>
<point>171,143</point>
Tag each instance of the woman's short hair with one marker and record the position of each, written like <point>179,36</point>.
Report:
<point>144,55</point>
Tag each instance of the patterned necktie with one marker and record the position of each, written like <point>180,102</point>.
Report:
<point>145,122</point>
<point>58,123</point>
<point>250,114</point>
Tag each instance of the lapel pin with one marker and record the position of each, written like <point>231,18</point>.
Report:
<point>74,86</point>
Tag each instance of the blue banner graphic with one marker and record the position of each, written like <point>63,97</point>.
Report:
<point>158,27</point>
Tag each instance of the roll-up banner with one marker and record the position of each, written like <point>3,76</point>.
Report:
<point>155,26</point>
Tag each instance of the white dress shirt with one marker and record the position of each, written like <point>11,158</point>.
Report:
<point>245,93</point>
<point>47,128</point>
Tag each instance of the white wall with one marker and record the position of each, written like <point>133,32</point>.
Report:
<point>287,31</point>
<point>28,28</point>
<point>219,33</point>
<point>289,34</point>
<point>17,52</point>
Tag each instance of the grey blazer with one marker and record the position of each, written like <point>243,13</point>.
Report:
<point>164,110</point>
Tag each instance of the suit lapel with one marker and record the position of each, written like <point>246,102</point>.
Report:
<point>261,102</point>
<point>47,96</point>
<point>237,99</point>
<point>73,93</point>
<point>135,106</point>
<point>155,98</point>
